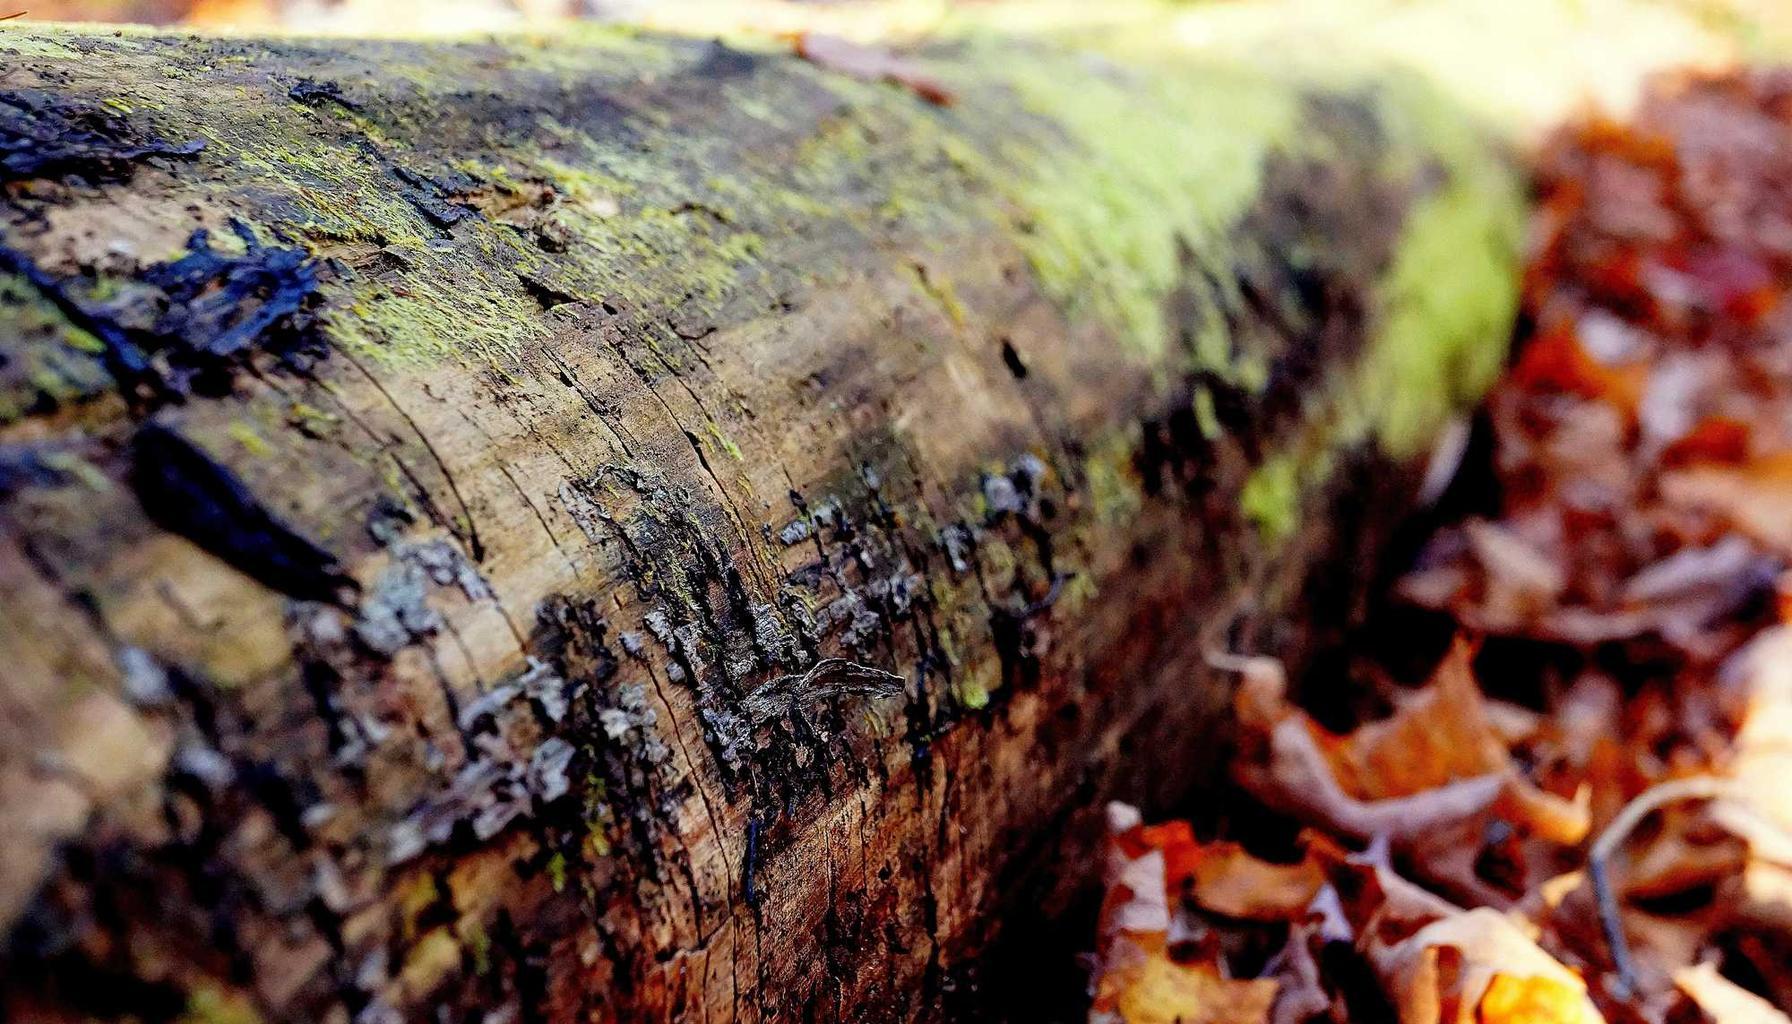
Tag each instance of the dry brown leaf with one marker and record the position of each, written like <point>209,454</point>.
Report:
<point>1144,986</point>
<point>1302,995</point>
<point>1754,495</point>
<point>1722,1000</point>
<point>1138,980</point>
<point>870,64</point>
<point>1227,880</point>
<point>1762,896</point>
<point>1642,453</point>
<point>1759,805</point>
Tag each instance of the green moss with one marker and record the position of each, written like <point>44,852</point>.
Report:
<point>724,441</point>
<point>1271,497</point>
<point>412,899</point>
<point>635,199</point>
<point>211,1005</point>
<point>1443,341</point>
<point>1448,301</point>
<point>1110,482</point>
<point>451,312</point>
<point>82,340</point>
<point>74,465</point>
<point>1080,590</point>
<point>1443,310</point>
<point>1123,180</point>
<point>1150,164</point>
<point>36,43</point>
<point>478,942</point>
<point>310,419</point>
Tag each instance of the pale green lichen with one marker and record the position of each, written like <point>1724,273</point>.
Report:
<point>1115,174</point>
<point>43,357</point>
<point>972,689</point>
<point>16,42</point>
<point>1115,495</point>
<point>940,292</point>
<point>79,469</point>
<point>1123,180</point>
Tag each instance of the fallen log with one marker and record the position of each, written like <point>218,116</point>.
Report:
<point>625,527</point>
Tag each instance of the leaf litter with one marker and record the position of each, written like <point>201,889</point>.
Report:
<point>1584,811</point>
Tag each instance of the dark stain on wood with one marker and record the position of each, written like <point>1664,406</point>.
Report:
<point>186,492</point>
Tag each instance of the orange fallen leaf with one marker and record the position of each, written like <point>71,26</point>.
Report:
<point>1510,999</point>
<point>1718,439</point>
<point>1222,876</point>
<point>1440,735</point>
<point>1556,361</point>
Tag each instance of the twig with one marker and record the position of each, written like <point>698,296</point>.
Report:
<point>829,678</point>
<point>1613,927</point>
<point>15,14</point>
<point>1698,787</point>
<point>750,863</point>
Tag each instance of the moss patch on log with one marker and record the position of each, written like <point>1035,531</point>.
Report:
<point>1144,164</point>
<point>1108,175</point>
<point>1450,297</point>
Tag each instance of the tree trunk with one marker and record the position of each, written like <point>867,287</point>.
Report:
<point>631,528</point>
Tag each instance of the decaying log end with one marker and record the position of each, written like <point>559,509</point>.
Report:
<point>627,527</point>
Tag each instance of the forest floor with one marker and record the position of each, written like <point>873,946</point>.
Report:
<point>1555,782</point>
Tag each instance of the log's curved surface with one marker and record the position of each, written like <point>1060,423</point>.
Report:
<point>632,528</point>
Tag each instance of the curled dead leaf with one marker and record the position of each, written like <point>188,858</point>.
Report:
<point>1493,971</point>
<point>1753,495</point>
<point>1221,876</point>
<point>1722,1000</point>
<point>1439,760</point>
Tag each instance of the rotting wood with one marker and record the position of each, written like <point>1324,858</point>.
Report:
<point>465,502</point>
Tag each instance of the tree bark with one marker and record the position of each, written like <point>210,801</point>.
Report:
<point>635,528</point>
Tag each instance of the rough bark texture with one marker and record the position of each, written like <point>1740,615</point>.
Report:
<point>637,528</point>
